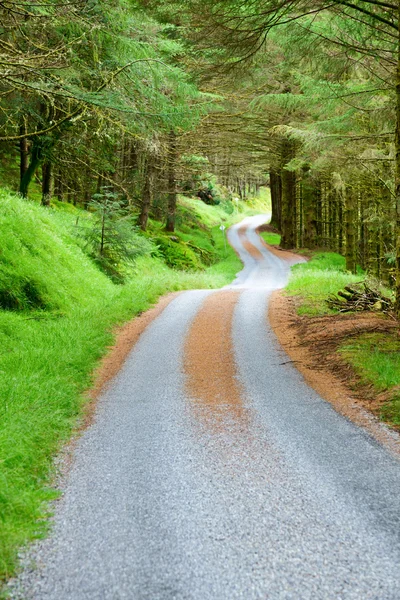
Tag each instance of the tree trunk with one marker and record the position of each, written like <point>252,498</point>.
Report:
<point>397,180</point>
<point>340,232</point>
<point>147,195</point>
<point>36,157</point>
<point>24,154</point>
<point>331,212</point>
<point>46,183</point>
<point>309,190</point>
<point>172,196</point>
<point>350,231</point>
<point>58,185</point>
<point>288,239</point>
<point>276,199</point>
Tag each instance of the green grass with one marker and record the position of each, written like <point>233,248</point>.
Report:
<point>46,361</point>
<point>228,264</point>
<point>198,242</point>
<point>376,359</point>
<point>194,211</point>
<point>57,314</point>
<point>315,280</point>
<point>273,239</point>
<point>258,204</point>
<point>227,212</point>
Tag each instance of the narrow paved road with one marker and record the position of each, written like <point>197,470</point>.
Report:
<point>213,472</point>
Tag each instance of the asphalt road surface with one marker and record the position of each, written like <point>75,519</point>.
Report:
<point>213,472</point>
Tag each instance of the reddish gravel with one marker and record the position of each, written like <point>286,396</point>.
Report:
<point>209,360</point>
<point>311,344</point>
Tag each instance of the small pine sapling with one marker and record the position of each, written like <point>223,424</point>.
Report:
<point>113,239</point>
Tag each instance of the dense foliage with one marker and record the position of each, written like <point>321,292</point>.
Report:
<point>321,108</point>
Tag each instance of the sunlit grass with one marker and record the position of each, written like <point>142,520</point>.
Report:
<point>273,239</point>
<point>315,280</point>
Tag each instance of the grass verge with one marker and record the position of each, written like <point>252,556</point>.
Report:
<point>315,280</point>
<point>273,239</point>
<point>375,358</point>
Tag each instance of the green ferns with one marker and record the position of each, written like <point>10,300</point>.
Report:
<point>177,254</point>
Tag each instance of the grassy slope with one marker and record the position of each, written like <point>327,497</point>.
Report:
<point>227,263</point>
<point>64,312</point>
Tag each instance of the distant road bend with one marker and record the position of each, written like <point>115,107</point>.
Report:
<point>213,472</point>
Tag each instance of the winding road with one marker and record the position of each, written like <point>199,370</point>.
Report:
<point>213,472</point>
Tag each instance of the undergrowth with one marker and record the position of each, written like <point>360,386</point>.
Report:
<point>196,242</point>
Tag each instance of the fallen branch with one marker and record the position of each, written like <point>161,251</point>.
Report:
<point>360,297</point>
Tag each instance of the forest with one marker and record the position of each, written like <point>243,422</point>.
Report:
<point>148,99</point>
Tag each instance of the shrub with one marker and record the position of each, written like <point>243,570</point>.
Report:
<point>177,254</point>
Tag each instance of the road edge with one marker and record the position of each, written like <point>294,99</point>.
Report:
<point>283,320</point>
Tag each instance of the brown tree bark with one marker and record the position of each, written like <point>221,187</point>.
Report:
<point>46,183</point>
<point>397,176</point>
<point>350,231</point>
<point>276,198</point>
<point>288,230</point>
<point>35,160</point>
<point>309,190</point>
<point>147,194</point>
<point>23,153</point>
<point>59,185</point>
<point>172,195</point>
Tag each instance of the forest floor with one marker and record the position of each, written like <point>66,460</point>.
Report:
<point>313,345</point>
